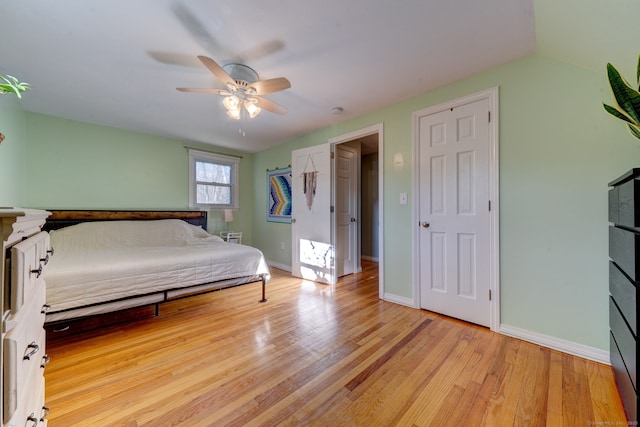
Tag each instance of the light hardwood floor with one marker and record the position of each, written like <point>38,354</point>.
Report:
<point>317,355</point>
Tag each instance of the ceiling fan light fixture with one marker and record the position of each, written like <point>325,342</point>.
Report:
<point>234,114</point>
<point>252,108</point>
<point>231,103</point>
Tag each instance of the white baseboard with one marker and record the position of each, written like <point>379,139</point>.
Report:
<point>279,266</point>
<point>554,343</point>
<point>399,300</point>
<point>569,347</point>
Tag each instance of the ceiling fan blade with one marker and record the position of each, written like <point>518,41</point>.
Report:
<point>180,59</point>
<point>218,71</point>
<point>264,87</point>
<point>260,51</point>
<point>198,30</point>
<point>200,34</point>
<point>265,104</point>
<point>197,90</point>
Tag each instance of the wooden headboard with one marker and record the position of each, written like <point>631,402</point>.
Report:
<point>60,219</point>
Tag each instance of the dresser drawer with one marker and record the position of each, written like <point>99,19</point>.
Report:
<point>31,410</point>
<point>28,261</point>
<point>34,310</point>
<point>19,373</point>
<point>622,207</point>
<point>614,215</point>
<point>624,248</point>
<point>627,391</point>
<point>624,339</point>
<point>23,353</point>
<point>624,293</point>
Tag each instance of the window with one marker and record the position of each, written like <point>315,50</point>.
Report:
<point>213,180</point>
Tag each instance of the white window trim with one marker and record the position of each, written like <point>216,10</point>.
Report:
<point>195,155</point>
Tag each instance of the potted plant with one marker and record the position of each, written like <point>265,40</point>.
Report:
<point>9,84</point>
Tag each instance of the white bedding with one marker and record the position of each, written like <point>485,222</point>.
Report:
<point>96,262</point>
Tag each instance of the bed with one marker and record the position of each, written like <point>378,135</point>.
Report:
<point>110,261</point>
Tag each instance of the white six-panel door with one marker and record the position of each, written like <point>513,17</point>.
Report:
<point>454,216</point>
<point>346,209</point>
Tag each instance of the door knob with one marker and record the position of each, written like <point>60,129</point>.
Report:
<point>353,220</point>
<point>425,224</point>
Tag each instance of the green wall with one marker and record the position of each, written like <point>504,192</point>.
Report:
<point>12,152</point>
<point>75,165</point>
<point>558,151</point>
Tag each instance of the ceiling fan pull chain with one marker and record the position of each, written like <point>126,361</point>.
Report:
<point>242,122</point>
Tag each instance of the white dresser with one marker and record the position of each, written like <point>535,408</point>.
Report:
<point>25,255</point>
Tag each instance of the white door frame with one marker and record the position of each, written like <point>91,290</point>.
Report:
<point>494,230</point>
<point>375,129</point>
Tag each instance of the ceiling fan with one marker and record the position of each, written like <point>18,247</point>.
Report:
<point>244,89</point>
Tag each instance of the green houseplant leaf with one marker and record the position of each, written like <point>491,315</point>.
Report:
<point>627,99</point>
<point>615,112</point>
<point>13,86</point>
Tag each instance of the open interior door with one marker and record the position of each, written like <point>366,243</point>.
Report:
<point>312,251</point>
<point>346,168</point>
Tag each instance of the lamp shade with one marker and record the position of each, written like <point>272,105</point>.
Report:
<point>234,114</point>
<point>231,102</point>
<point>227,215</point>
<point>252,108</point>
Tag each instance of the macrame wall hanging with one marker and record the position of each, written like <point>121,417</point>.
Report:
<point>309,176</point>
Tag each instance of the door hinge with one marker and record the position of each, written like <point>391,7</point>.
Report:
<point>489,294</point>
<point>489,112</point>
<point>332,155</point>
<point>489,205</point>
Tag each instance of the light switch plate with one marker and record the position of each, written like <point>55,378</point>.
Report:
<point>403,198</point>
